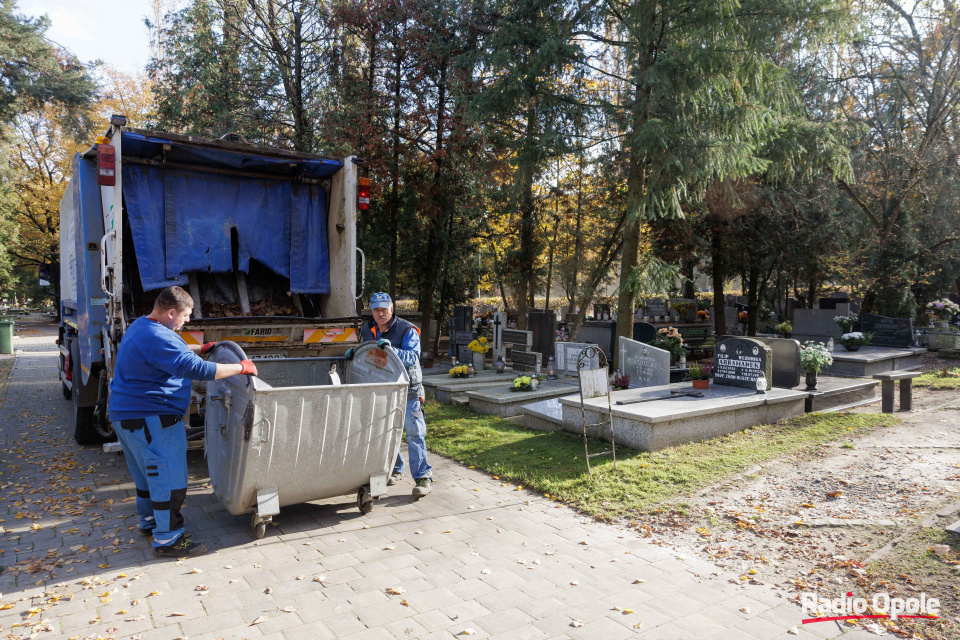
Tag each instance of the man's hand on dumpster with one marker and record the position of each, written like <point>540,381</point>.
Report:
<point>207,347</point>
<point>349,354</point>
<point>383,343</point>
<point>248,368</point>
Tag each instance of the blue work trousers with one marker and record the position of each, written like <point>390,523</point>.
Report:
<point>415,428</point>
<point>158,464</point>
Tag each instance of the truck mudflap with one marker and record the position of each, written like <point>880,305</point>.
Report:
<point>295,434</point>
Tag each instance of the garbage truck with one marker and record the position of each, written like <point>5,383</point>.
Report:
<point>263,239</point>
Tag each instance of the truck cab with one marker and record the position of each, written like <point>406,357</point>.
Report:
<point>263,239</point>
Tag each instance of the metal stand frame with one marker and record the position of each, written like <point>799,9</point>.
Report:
<point>586,356</point>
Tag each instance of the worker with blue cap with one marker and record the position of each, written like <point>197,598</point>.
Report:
<point>403,337</point>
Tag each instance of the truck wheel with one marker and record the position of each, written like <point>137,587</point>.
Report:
<point>84,422</point>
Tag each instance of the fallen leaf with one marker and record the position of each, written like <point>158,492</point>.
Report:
<point>574,583</point>
<point>201,587</point>
<point>177,614</point>
<point>793,631</point>
<point>268,590</point>
<point>288,609</point>
<point>835,494</point>
<point>259,620</point>
<point>744,609</point>
<point>576,623</point>
<point>301,577</point>
<point>638,581</point>
<point>195,570</point>
<point>396,591</point>
<point>405,603</point>
<point>637,626</point>
<point>319,578</point>
<point>467,632</point>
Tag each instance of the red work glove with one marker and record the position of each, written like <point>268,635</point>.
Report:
<point>249,368</point>
<point>207,346</point>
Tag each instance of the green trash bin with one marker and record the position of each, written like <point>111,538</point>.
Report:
<point>6,336</point>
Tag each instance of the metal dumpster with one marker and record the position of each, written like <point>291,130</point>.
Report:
<point>292,434</point>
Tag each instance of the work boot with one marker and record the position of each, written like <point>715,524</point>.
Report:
<point>180,549</point>
<point>422,488</point>
<point>394,478</point>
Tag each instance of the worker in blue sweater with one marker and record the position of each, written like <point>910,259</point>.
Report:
<point>392,332</point>
<point>149,396</point>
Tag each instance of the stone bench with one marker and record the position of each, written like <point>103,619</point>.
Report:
<point>887,381</point>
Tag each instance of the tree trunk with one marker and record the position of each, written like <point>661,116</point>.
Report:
<point>689,287</point>
<point>395,174</point>
<point>435,241</point>
<point>528,282</point>
<point>636,189</point>
<point>753,306</point>
<point>716,257</point>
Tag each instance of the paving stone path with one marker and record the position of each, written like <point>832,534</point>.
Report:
<point>475,555</point>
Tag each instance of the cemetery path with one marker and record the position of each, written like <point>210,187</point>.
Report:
<point>840,516</point>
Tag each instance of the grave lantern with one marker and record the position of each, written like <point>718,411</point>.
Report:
<point>470,371</point>
<point>762,384</point>
<point>551,369</point>
<point>499,365</point>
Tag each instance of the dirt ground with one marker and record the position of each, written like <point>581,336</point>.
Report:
<point>858,515</point>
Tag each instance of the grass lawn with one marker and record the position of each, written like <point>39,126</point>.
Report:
<point>553,462</point>
<point>939,380</point>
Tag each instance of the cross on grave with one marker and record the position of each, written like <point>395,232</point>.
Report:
<point>498,325</point>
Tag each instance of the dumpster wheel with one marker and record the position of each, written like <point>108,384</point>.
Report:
<point>364,500</point>
<point>259,525</point>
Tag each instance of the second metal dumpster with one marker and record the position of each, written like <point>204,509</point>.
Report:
<point>294,434</point>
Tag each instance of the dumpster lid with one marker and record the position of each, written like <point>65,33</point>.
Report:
<point>371,364</point>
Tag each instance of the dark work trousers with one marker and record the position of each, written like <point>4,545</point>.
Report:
<point>157,459</point>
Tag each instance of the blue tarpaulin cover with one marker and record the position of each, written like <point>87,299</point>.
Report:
<point>182,220</point>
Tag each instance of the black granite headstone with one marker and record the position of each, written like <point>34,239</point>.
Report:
<point>887,332</point>
<point>528,361</point>
<point>644,332</point>
<point>544,328</point>
<point>517,338</point>
<point>738,362</point>
<point>786,361</point>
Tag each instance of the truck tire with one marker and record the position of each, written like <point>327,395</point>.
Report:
<point>84,422</point>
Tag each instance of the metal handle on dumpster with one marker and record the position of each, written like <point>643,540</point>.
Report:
<point>103,260</point>
<point>225,401</point>
<point>264,431</point>
<point>363,272</point>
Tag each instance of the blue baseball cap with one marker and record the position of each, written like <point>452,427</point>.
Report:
<point>380,301</point>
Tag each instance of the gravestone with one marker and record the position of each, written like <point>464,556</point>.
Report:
<point>657,307</point>
<point>888,332</point>
<point>644,332</point>
<point>463,317</point>
<point>460,340</point>
<point>515,338</point>
<point>544,327</point>
<point>786,361</point>
<point>527,361</point>
<point>738,362</point>
<point>499,325</point>
<point>646,365</point>
<point>567,354</point>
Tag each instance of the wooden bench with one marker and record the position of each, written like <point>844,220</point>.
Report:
<point>699,341</point>
<point>887,381</point>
